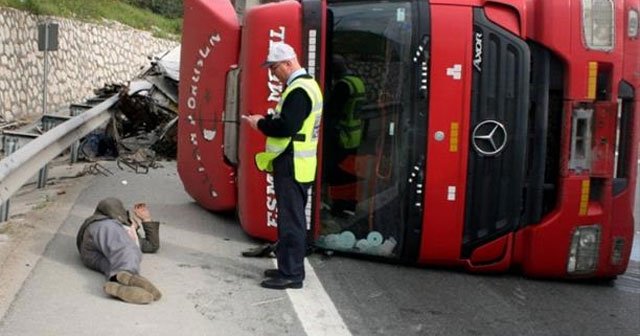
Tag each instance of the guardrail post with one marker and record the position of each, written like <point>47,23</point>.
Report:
<point>10,146</point>
<point>4,211</point>
<point>42,177</point>
<point>48,122</point>
<point>76,110</point>
<point>42,174</point>
<point>12,142</point>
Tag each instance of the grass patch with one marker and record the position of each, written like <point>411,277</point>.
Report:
<point>96,10</point>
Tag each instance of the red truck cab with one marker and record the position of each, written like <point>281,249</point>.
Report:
<point>492,134</point>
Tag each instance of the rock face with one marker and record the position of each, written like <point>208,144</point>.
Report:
<point>89,56</point>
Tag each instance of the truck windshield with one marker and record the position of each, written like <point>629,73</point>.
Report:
<point>365,143</point>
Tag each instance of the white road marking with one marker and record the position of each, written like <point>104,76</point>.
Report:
<point>315,310</point>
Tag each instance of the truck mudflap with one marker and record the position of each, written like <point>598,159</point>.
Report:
<point>210,47</point>
<point>261,91</point>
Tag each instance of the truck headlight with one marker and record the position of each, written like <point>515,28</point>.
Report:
<point>598,24</point>
<point>583,253</point>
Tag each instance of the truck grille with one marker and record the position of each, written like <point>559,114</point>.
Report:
<point>499,116</point>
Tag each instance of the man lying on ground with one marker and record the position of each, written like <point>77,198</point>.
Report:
<point>108,242</point>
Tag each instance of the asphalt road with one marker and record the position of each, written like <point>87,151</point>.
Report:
<point>210,290</point>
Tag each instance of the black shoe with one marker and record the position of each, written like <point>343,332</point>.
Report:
<point>272,273</point>
<point>263,251</point>
<point>280,283</point>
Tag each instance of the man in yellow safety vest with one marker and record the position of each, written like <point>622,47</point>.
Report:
<point>290,155</point>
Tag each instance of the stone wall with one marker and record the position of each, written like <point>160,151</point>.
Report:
<point>89,56</point>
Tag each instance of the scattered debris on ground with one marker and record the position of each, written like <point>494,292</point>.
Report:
<point>143,127</point>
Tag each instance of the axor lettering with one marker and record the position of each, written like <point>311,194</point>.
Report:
<point>477,58</point>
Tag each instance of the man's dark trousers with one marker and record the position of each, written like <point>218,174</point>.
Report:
<point>291,197</point>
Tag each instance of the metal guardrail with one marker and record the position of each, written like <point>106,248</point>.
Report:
<point>17,168</point>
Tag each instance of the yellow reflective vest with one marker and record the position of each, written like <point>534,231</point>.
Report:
<point>305,143</point>
<point>350,123</point>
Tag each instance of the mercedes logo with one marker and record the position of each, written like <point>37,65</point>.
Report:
<point>489,137</point>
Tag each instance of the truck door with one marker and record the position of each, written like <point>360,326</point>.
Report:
<point>374,125</point>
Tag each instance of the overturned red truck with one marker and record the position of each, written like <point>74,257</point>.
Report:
<point>490,134</point>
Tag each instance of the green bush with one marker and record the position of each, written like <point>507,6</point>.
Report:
<point>163,17</point>
<point>169,8</point>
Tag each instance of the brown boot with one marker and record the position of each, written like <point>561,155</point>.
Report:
<point>137,280</point>
<point>128,293</point>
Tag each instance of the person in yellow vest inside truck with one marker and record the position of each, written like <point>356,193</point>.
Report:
<point>347,97</point>
<point>290,155</point>
<point>344,137</point>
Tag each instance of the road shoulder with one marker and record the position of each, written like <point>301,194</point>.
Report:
<point>35,215</point>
